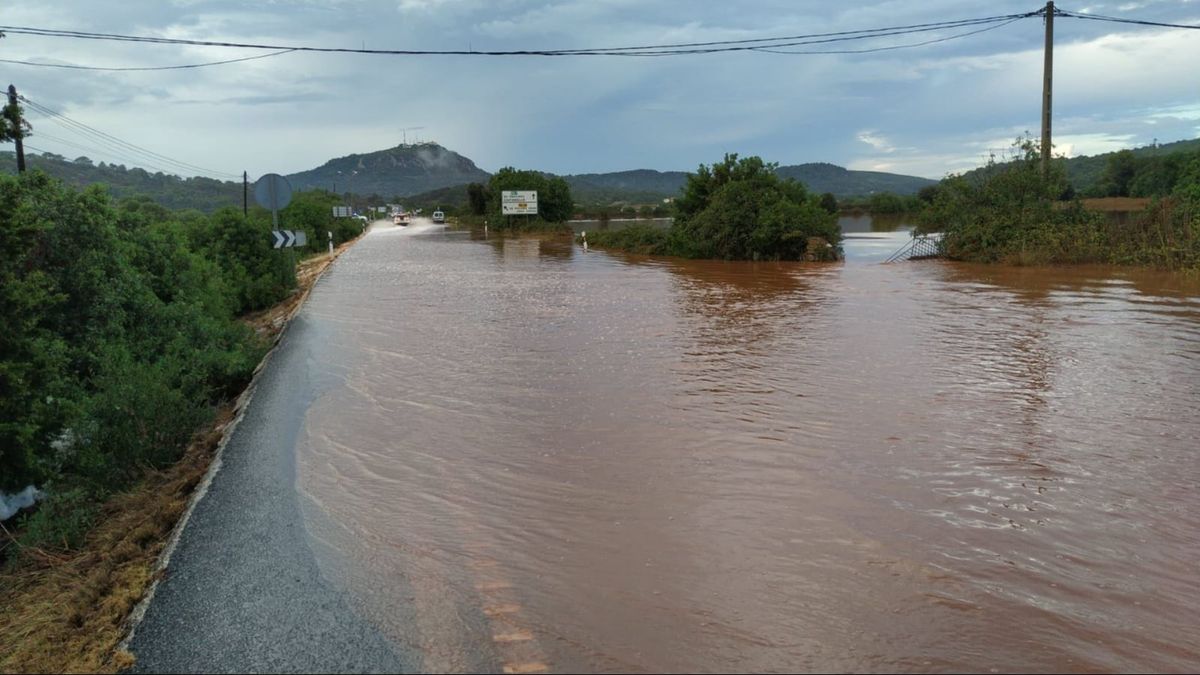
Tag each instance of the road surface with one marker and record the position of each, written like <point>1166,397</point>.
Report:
<point>243,592</point>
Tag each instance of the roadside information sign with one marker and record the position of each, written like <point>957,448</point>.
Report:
<point>518,202</point>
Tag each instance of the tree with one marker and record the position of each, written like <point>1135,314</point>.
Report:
<point>829,202</point>
<point>13,124</point>
<point>554,194</point>
<point>1118,174</point>
<point>928,194</point>
<point>477,198</point>
<point>742,210</point>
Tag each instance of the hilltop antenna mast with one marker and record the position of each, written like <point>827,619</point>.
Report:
<point>404,133</point>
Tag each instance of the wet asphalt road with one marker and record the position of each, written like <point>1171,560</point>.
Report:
<point>243,592</point>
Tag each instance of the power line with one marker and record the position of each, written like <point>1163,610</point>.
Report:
<point>97,152</point>
<point>144,68</point>
<point>884,49</point>
<point>1117,19</point>
<point>643,50</point>
<point>112,141</point>
<point>773,48</point>
<point>839,35</point>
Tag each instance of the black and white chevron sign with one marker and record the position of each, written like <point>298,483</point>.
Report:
<point>288,238</point>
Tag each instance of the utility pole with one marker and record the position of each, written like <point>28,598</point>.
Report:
<point>245,190</point>
<point>17,131</point>
<point>1047,77</point>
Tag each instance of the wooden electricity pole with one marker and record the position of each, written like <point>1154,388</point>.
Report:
<point>1047,77</point>
<point>17,130</point>
<point>245,190</point>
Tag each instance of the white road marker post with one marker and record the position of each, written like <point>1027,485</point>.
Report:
<point>584,234</point>
<point>330,241</point>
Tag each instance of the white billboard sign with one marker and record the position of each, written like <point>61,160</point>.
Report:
<point>518,202</point>
<point>341,212</point>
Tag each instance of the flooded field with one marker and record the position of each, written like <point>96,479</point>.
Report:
<point>525,456</point>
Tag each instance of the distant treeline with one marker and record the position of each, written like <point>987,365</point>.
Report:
<point>121,335</point>
<point>171,191</point>
<point>1126,174</point>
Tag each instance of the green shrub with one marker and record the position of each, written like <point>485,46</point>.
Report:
<point>1011,214</point>
<point>120,337</point>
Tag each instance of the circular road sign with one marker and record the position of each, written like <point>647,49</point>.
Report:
<point>272,191</point>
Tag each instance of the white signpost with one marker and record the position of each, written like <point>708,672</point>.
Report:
<point>518,202</point>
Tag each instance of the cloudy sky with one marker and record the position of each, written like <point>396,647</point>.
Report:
<point>924,111</point>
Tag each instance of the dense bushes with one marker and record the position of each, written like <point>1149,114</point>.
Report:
<point>1009,213</point>
<point>120,335</point>
<point>554,200</point>
<point>738,210</point>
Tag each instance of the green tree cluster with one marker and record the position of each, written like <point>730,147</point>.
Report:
<point>738,209</point>
<point>1129,175</point>
<point>120,336</point>
<point>554,196</point>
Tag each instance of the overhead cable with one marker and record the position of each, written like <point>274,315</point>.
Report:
<point>112,141</point>
<point>1117,19</point>
<point>643,50</point>
<point>72,66</point>
<point>889,48</point>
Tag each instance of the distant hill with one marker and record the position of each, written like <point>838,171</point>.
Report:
<point>427,174</point>
<point>453,197</point>
<point>645,185</point>
<point>167,189</point>
<point>821,177</point>
<point>637,186</point>
<point>404,170</point>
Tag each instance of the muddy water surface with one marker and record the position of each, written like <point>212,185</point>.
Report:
<point>531,457</point>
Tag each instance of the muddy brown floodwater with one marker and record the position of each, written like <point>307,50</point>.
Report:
<point>524,456</point>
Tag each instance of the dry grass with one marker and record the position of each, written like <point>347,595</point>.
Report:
<point>66,611</point>
<point>1127,204</point>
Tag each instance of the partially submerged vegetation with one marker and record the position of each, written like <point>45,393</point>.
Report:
<point>738,209</point>
<point>1011,214</point>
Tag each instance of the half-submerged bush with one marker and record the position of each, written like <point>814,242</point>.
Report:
<point>739,209</point>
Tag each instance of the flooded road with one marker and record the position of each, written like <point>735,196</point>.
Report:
<point>526,457</point>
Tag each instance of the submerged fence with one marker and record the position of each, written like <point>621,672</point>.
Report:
<point>920,247</point>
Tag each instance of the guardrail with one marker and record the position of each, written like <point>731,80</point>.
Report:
<point>921,247</point>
